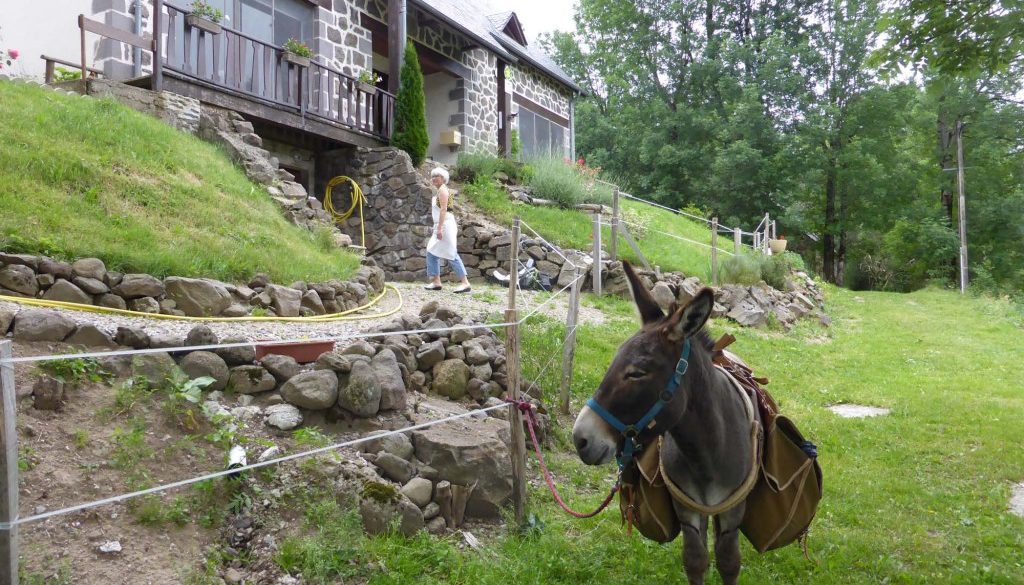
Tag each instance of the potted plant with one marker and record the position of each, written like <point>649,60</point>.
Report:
<point>297,53</point>
<point>205,17</point>
<point>367,81</point>
<point>777,246</point>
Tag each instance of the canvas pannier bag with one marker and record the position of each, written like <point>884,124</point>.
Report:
<point>644,490</point>
<point>785,499</point>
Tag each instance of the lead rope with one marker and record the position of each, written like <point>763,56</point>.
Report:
<point>527,409</point>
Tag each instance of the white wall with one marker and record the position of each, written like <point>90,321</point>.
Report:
<point>439,110</point>
<point>48,28</point>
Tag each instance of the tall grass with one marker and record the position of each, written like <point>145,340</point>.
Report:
<point>561,182</point>
<point>86,177</point>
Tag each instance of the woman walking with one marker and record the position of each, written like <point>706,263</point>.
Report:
<point>442,242</point>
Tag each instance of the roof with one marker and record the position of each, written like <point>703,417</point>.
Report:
<point>466,17</point>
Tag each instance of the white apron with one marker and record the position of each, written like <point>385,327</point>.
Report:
<point>446,246</point>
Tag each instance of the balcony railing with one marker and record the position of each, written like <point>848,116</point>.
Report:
<point>240,63</point>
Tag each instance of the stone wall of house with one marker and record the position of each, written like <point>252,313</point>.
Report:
<point>537,87</point>
<point>480,129</point>
<point>172,109</point>
<point>340,41</point>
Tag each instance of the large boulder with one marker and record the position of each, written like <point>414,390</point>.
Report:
<point>251,380</point>
<point>134,286</point>
<point>206,363</point>
<point>467,454</point>
<point>451,378</point>
<point>133,337</point>
<point>316,390</point>
<point>89,335</point>
<point>6,318</point>
<point>20,279</point>
<point>236,356</point>
<point>663,295</point>
<point>42,325</point>
<point>285,301</point>
<point>380,511</point>
<point>281,367</point>
<point>394,468</point>
<point>89,268</point>
<point>198,297</point>
<point>361,396</point>
<point>389,377</point>
<point>67,292</point>
<point>156,368</point>
<point>430,354</point>
<point>398,445</point>
<point>283,416</point>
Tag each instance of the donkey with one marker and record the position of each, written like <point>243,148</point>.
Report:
<point>705,427</point>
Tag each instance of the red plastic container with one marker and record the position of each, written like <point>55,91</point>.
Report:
<point>303,352</point>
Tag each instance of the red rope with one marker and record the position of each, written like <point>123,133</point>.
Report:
<point>527,409</point>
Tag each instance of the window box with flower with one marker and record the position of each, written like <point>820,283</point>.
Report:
<point>367,81</point>
<point>297,53</point>
<point>205,18</point>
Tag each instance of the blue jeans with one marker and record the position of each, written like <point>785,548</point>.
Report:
<point>434,266</point>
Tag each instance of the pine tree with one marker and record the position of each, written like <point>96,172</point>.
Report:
<point>411,110</point>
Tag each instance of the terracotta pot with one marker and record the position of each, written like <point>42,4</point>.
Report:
<point>304,352</point>
<point>203,24</point>
<point>777,246</point>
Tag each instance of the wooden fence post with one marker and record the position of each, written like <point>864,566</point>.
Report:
<point>158,41</point>
<point>597,254</point>
<point>513,375</point>
<point>8,470</point>
<point>569,349</point>
<point>714,250</point>
<point>737,241</point>
<point>613,245</point>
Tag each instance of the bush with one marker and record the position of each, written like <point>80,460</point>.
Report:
<point>742,269</point>
<point>411,110</point>
<point>919,251</point>
<point>775,270</point>
<point>472,166</point>
<point>562,183</point>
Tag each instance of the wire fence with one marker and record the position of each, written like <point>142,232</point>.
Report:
<point>10,521</point>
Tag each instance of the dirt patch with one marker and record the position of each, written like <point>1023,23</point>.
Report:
<point>1017,501</point>
<point>858,411</point>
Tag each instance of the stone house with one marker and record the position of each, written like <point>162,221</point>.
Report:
<point>482,79</point>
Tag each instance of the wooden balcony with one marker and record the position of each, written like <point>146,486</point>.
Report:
<point>237,71</point>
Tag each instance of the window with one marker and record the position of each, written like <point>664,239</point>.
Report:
<point>540,136</point>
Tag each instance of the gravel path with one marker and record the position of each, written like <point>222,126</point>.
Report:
<point>486,301</point>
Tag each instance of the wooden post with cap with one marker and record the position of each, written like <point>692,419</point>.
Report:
<point>518,450</point>
<point>8,470</point>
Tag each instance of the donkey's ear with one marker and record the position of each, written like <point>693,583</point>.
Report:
<point>649,309</point>
<point>688,320</point>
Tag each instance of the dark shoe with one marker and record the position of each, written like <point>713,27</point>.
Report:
<point>463,289</point>
<point>432,287</point>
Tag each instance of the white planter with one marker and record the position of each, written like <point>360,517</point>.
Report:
<point>777,246</point>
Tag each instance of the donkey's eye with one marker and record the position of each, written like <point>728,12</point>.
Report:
<point>635,374</point>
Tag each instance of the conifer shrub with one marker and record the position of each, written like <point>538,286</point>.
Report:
<point>411,110</point>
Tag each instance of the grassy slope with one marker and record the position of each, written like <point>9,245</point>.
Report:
<point>84,177</point>
<point>574,229</point>
<point>919,496</point>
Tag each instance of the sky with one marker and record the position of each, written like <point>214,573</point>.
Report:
<point>539,16</point>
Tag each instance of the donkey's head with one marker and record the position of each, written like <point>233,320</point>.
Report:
<point>640,375</point>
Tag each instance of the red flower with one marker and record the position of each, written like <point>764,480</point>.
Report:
<point>581,162</point>
<point>13,53</point>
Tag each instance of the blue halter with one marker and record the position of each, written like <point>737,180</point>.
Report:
<point>632,432</point>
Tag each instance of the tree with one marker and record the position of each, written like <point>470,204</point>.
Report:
<point>411,110</point>
<point>956,37</point>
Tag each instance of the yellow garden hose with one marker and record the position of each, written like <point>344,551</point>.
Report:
<point>342,316</point>
<point>357,199</point>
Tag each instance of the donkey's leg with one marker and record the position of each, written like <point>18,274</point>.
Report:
<point>695,544</point>
<point>727,544</point>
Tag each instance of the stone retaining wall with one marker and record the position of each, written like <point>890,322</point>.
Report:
<point>87,281</point>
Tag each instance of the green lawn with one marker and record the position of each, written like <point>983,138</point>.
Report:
<point>919,496</point>
<point>574,229</point>
<point>85,177</point>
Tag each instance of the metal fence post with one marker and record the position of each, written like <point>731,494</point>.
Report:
<point>9,471</point>
<point>569,349</point>
<point>597,254</point>
<point>737,240</point>
<point>513,375</point>
<point>158,51</point>
<point>714,250</point>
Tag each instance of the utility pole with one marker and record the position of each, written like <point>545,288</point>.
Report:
<point>961,205</point>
